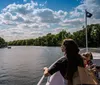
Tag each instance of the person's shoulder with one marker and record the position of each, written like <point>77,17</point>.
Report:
<point>63,59</point>
<point>81,56</point>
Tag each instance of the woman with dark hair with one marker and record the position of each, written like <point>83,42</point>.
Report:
<point>68,66</point>
<point>74,60</point>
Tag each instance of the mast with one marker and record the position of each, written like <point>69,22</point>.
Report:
<point>86,30</point>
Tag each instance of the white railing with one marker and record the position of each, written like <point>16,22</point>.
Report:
<point>40,81</point>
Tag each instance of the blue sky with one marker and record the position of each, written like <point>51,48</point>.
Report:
<point>66,5</point>
<point>24,19</point>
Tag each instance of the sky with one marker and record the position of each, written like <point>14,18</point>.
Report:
<point>26,19</point>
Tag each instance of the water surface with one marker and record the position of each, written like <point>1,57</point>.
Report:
<point>23,65</point>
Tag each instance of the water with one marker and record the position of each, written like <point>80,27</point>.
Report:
<point>23,65</point>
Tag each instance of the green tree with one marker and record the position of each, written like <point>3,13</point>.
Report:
<point>2,42</point>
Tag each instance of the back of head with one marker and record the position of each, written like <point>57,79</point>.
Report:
<point>71,46</point>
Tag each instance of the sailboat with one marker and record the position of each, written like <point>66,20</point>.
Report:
<point>56,78</point>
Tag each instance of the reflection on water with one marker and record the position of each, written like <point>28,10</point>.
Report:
<point>23,65</point>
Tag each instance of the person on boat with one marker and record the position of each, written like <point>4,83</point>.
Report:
<point>69,64</point>
<point>88,57</point>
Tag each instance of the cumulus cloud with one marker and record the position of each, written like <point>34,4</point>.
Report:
<point>28,19</point>
<point>19,33</point>
<point>92,6</point>
<point>75,13</point>
<point>74,29</point>
<point>39,33</point>
<point>47,15</point>
<point>31,20</point>
<point>76,21</point>
<point>57,30</point>
<point>73,23</point>
<point>29,14</point>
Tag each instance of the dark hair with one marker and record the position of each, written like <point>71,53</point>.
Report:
<point>74,58</point>
<point>71,46</point>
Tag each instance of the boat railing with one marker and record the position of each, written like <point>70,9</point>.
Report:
<point>40,81</point>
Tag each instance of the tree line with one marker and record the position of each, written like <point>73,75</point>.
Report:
<point>56,39</point>
<point>2,43</point>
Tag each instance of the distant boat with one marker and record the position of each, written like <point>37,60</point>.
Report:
<point>9,47</point>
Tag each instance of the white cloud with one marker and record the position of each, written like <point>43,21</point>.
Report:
<point>47,15</point>
<point>38,33</point>
<point>57,30</point>
<point>93,6</point>
<point>23,13</point>
<point>30,20</point>
<point>71,30</point>
<point>73,23</point>
<point>20,8</point>
<point>75,13</point>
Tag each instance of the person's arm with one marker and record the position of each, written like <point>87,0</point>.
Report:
<point>56,67</point>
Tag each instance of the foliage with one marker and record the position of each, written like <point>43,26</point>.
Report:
<point>2,43</point>
<point>55,40</point>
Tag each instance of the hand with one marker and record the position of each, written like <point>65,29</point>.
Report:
<point>93,66</point>
<point>46,73</point>
<point>93,69</point>
<point>45,68</point>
